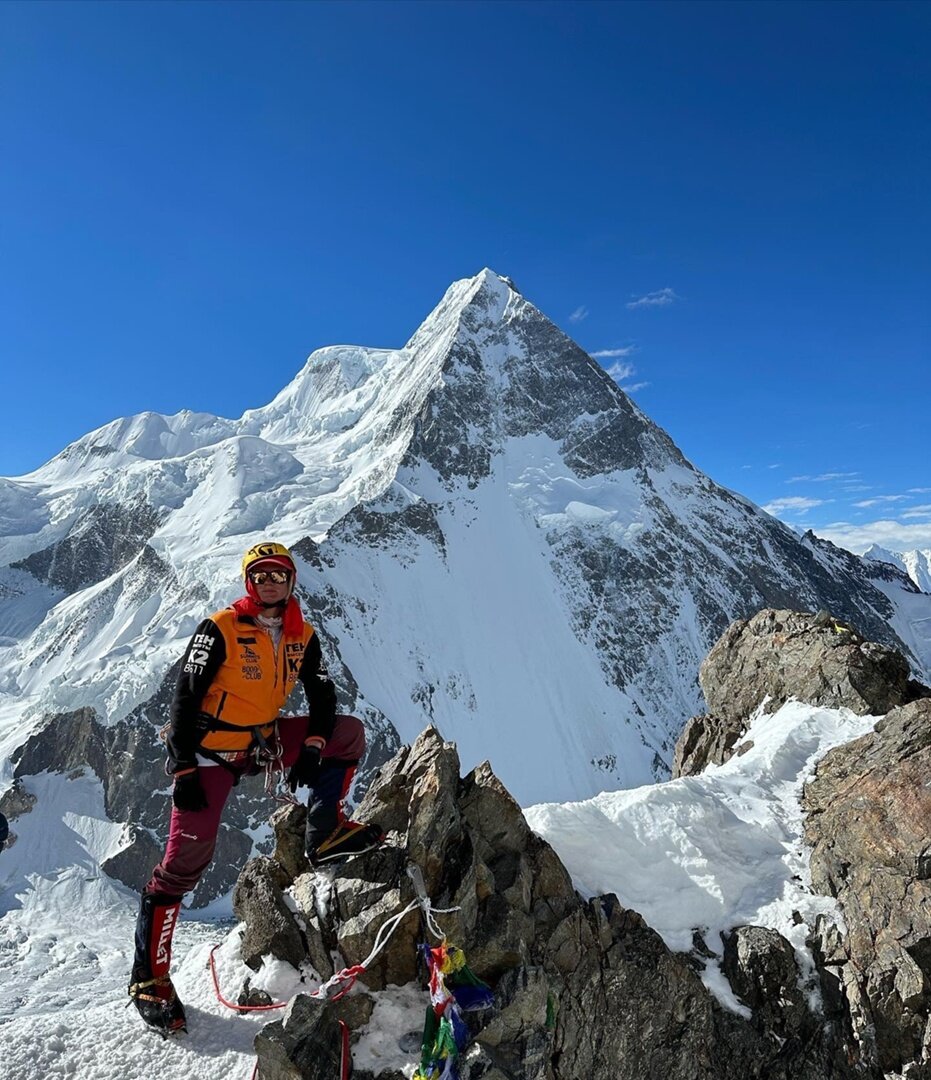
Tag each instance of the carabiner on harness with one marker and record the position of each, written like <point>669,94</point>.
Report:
<point>268,756</point>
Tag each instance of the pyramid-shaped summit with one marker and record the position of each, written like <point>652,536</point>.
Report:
<point>492,536</point>
<point>509,372</point>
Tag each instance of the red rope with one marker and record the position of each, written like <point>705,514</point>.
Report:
<point>347,976</point>
<point>232,1004</point>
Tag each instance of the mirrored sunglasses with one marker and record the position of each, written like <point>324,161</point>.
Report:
<point>273,577</point>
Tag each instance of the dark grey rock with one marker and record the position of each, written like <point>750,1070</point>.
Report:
<point>252,996</point>
<point>761,968</point>
<point>816,659</point>
<point>705,740</point>
<point>16,801</point>
<point>355,1010</point>
<point>516,1037</point>
<point>303,1045</point>
<point>288,823</point>
<point>103,540</point>
<point>582,989</point>
<point>270,924</point>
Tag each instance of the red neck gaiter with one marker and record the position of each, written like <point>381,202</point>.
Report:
<point>292,623</point>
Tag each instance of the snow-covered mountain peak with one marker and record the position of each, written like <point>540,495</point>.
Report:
<point>916,564</point>
<point>483,298</point>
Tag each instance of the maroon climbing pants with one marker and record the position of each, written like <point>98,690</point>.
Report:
<point>192,835</point>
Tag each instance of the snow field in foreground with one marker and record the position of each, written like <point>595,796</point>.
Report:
<point>66,945</point>
<point>713,851</point>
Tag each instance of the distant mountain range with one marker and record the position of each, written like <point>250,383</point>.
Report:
<point>917,564</point>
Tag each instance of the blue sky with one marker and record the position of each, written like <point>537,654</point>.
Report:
<point>733,199</point>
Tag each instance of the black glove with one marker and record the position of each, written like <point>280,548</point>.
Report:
<point>188,794</point>
<point>304,771</point>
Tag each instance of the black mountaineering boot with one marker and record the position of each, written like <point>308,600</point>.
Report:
<point>150,986</point>
<point>330,835</point>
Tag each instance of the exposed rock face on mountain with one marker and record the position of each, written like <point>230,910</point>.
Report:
<point>764,661</point>
<point>102,541</point>
<point>15,802</point>
<point>868,814</point>
<point>491,537</point>
<point>583,989</point>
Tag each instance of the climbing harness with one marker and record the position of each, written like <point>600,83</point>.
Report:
<point>266,752</point>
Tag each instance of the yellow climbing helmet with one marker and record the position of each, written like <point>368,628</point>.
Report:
<point>267,551</point>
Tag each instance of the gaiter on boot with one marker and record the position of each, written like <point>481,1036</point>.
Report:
<point>150,987</point>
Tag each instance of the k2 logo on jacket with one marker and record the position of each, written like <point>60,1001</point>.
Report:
<point>198,654</point>
<point>294,653</point>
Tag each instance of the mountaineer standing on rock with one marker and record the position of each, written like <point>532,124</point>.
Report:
<point>236,674</point>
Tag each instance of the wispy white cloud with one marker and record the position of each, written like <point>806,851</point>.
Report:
<point>919,491</point>
<point>888,534</point>
<point>773,466</point>
<point>917,511</point>
<point>580,313</point>
<point>877,499</point>
<point>621,371</point>
<point>610,354</point>
<point>822,478</point>
<point>660,298</point>
<point>797,504</point>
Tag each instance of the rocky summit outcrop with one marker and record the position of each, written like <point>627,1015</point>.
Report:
<point>762,662</point>
<point>869,811</point>
<point>583,988</point>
